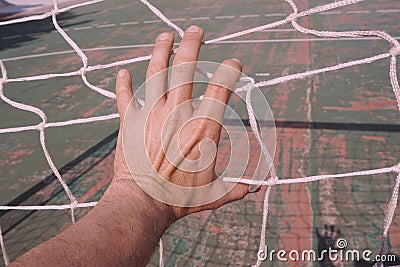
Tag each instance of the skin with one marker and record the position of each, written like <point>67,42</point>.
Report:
<point>126,225</point>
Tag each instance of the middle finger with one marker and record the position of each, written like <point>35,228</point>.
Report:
<point>184,66</point>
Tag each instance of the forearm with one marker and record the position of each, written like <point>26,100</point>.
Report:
<point>122,230</point>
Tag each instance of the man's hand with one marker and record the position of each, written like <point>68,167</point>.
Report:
<point>167,142</point>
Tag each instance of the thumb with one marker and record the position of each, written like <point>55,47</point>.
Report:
<point>123,91</point>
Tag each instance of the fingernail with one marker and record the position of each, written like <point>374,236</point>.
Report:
<point>193,28</point>
<point>237,60</point>
<point>121,73</point>
<point>163,36</point>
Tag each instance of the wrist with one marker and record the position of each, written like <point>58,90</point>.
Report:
<point>130,201</point>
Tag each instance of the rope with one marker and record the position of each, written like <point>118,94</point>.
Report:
<point>161,250</point>
<point>312,178</point>
<point>390,214</point>
<point>3,250</point>
<point>392,53</point>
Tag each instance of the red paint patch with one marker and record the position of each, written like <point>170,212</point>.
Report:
<point>374,138</point>
<point>215,229</point>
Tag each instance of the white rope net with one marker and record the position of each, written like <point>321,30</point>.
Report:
<point>291,18</point>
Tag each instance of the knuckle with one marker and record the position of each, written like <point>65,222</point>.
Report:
<point>243,192</point>
<point>201,128</point>
<point>186,67</point>
<point>188,51</point>
<point>222,84</point>
<point>123,92</point>
<point>153,70</point>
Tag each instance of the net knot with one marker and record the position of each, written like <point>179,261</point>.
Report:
<point>248,86</point>
<point>54,12</point>
<point>248,79</point>
<point>273,179</point>
<point>40,126</point>
<point>396,168</point>
<point>82,71</point>
<point>292,17</point>
<point>395,51</point>
<point>74,205</point>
